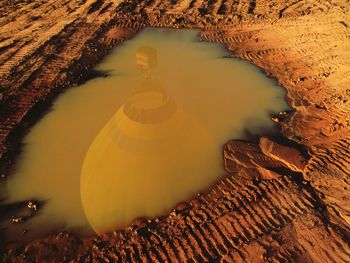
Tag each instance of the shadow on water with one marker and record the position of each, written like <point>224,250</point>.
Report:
<point>94,74</point>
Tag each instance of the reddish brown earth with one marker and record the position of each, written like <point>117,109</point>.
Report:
<point>283,199</point>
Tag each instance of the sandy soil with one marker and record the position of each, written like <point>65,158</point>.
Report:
<point>284,199</point>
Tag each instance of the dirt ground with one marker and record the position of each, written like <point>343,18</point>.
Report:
<point>284,198</point>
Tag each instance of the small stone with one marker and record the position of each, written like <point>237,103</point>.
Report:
<point>173,214</point>
<point>282,113</point>
<point>17,219</point>
<point>31,205</point>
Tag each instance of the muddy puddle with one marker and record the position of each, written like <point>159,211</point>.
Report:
<point>142,139</point>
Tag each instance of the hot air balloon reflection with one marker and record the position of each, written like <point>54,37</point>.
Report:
<point>147,158</point>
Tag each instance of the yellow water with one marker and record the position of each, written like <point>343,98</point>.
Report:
<point>144,138</point>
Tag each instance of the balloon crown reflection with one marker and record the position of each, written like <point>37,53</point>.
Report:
<point>148,157</point>
<point>150,104</point>
<point>146,59</point>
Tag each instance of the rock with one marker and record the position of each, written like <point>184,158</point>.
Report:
<point>290,157</point>
<point>32,206</point>
<point>17,219</point>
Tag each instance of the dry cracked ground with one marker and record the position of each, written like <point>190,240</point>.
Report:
<point>284,199</point>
